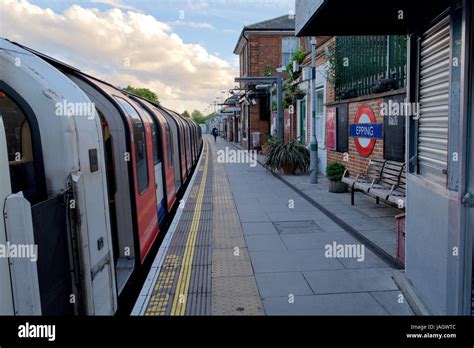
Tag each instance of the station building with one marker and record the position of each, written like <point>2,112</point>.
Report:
<point>262,48</point>
<point>438,148</point>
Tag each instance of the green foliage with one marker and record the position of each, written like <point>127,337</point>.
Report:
<point>144,93</point>
<point>268,70</point>
<point>335,67</point>
<point>186,114</point>
<point>335,171</point>
<point>271,140</point>
<point>298,57</point>
<point>198,117</point>
<point>291,94</point>
<point>274,106</point>
<point>292,153</point>
<point>291,90</point>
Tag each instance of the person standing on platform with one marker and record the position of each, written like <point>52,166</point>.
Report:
<point>215,133</point>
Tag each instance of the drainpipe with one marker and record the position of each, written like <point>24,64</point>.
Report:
<point>281,116</point>
<point>247,74</point>
<point>313,159</point>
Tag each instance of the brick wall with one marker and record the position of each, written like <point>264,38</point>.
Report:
<point>258,125</point>
<point>265,50</point>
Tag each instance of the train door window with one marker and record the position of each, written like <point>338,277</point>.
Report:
<point>111,182</point>
<point>156,143</point>
<point>139,140</point>
<point>19,148</point>
<point>169,148</point>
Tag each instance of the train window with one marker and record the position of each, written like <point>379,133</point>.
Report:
<point>19,148</point>
<point>169,148</point>
<point>156,144</point>
<point>139,140</point>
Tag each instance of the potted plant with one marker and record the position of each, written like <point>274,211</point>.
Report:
<point>334,173</point>
<point>268,144</point>
<point>384,85</point>
<point>290,157</point>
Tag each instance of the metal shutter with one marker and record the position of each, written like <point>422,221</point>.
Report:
<point>434,102</point>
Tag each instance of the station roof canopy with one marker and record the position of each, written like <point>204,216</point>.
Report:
<point>365,17</point>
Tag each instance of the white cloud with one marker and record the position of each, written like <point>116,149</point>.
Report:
<point>195,25</point>
<point>101,42</point>
<point>114,3</point>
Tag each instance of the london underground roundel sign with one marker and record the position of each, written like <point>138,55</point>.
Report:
<point>365,131</point>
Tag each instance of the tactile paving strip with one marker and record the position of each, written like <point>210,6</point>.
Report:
<point>187,262</point>
<point>234,289</point>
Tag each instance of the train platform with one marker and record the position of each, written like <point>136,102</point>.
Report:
<point>243,242</point>
<point>203,266</point>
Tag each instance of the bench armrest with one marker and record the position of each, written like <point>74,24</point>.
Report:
<point>393,189</point>
<point>371,185</point>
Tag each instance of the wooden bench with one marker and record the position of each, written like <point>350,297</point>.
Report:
<point>374,172</point>
<point>384,180</point>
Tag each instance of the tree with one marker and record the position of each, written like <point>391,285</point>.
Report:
<point>144,93</point>
<point>198,117</point>
<point>186,114</point>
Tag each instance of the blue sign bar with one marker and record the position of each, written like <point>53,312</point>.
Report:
<point>366,130</point>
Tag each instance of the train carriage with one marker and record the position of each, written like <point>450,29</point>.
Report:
<point>93,190</point>
<point>172,143</point>
<point>58,185</point>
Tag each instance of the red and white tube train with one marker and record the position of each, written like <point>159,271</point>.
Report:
<point>89,176</point>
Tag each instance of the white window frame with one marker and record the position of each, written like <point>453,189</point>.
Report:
<point>291,52</point>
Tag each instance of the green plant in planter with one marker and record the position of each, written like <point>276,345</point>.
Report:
<point>289,156</point>
<point>335,171</point>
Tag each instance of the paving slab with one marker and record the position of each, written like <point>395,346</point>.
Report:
<point>393,302</point>
<point>316,241</point>
<point>265,242</point>
<point>370,261</point>
<point>345,281</point>
<point>291,260</point>
<point>252,228</point>
<point>282,284</point>
<point>297,227</point>
<point>336,304</point>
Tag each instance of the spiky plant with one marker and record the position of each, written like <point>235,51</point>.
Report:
<point>293,154</point>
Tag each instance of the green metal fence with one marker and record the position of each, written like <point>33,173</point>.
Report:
<point>362,62</point>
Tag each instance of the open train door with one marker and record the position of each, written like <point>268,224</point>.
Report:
<point>19,287</point>
<point>95,277</point>
<point>6,296</point>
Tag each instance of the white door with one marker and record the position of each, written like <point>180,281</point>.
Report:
<point>19,287</point>
<point>6,297</point>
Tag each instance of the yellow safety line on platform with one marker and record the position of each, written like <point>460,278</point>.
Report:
<point>181,294</point>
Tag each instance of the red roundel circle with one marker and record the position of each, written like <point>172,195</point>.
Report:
<point>365,146</point>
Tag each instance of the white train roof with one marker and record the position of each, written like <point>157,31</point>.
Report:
<point>47,91</point>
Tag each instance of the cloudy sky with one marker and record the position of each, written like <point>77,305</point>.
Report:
<point>181,49</point>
